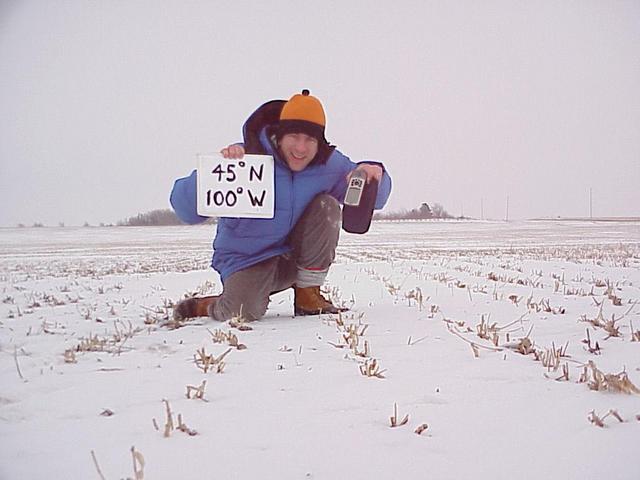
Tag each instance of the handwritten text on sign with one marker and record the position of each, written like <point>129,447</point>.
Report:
<point>235,187</point>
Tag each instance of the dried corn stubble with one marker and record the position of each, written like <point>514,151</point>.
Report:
<point>366,353</point>
<point>416,294</point>
<point>598,321</point>
<point>488,332</point>
<point>609,293</point>
<point>123,332</point>
<point>240,323</point>
<point>335,345</point>
<point>357,330</point>
<point>484,330</point>
<point>475,347</point>
<point>204,362</point>
<point>70,356</point>
<point>370,368</point>
<point>565,374</point>
<point>620,383</point>
<point>183,427</point>
<point>421,428</point>
<point>411,341</point>
<point>391,288</point>
<point>232,340</point>
<point>111,344</point>
<point>333,295</point>
<point>525,346</point>
<point>393,420</point>
<point>515,299</point>
<point>543,305</point>
<point>599,421</point>
<point>199,391</point>
<point>95,462</point>
<point>138,464</point>
<point>550,357</point>
<point>635,334</point>
<point>351,340</point>
<point>172,323</point>
<point>611,328</point>
<point>599,381</point>
<point>350,335</point>
<point>218,336</point>
<point>92,344</point>
<point>170,426</point>
<point>459,325</point>
<point>160,314</point>
<point>591,349</point>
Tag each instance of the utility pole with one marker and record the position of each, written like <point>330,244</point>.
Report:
<point>507,215</point>
<point>590,203</point>
<point>481,208</point>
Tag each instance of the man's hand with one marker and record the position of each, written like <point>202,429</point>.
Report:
<point>374,172</point>
<point>233,151</point>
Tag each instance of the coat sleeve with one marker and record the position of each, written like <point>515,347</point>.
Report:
<point>384,187</point>
<point>183,199</point>
<point>339,190</point>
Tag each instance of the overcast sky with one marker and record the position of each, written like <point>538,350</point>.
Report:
<point>104,103</point>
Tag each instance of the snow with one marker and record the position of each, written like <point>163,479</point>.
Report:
<point>292,405</point>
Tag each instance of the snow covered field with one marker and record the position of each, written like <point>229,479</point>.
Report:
<point>501,338</point>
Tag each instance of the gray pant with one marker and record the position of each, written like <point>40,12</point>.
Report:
<point>313,241</point>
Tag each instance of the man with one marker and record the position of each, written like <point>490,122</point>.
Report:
<point>258,257</point>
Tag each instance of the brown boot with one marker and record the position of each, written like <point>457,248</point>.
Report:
<point>194,307</point>
<point>309,301</point>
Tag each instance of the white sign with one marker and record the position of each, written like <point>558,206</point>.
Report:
<point>236,187</point>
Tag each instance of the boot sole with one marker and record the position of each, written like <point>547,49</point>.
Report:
<point>300,312</point>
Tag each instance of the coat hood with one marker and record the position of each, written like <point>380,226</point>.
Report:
<point>267,116</point>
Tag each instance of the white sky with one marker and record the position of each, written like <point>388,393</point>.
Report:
<point>104,103</point>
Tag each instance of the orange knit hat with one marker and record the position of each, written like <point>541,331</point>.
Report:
<point>304,107</point>
<point>303,113</point>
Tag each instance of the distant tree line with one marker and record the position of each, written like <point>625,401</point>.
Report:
<point>424,211</point>
<point>156,218</point>
<point>159,217</point>
<point>166,216</point>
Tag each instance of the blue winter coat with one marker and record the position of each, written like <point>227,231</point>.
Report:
<point>242,242</point>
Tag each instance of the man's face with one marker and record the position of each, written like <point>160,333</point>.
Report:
<point>298,149</point>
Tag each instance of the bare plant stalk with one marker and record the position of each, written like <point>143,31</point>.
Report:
<point>512,323</point>
<point>473,344</point>
<point>15,357</point>
<point>393,420</point>
<point>629,310</point>
<point>616,415</point>
<point>169,425</point>
<point>138,464</point>
<point>95,462</point>
<point>416,341</point>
